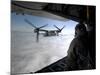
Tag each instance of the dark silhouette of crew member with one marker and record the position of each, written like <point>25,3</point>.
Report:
<point>78,54</point>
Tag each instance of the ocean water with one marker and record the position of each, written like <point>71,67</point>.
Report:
<point>29,56</point>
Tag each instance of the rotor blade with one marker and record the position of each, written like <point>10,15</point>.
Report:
<point>56,27</point>
<point>62,28</point>
<point>43,26</point>
<point>30,23</point>
<point>37,36</point>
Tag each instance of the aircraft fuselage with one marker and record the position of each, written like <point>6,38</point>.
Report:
<point>51,33</point>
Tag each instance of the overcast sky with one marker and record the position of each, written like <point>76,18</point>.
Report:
<point>18,23</point>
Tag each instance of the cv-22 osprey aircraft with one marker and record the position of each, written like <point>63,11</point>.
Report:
<point>53,32</point>
<point>47,32</point>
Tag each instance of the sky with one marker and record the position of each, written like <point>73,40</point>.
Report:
<point>18,23</point>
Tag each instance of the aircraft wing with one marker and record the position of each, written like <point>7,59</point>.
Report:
<point>47,30</point>
<point>43,30</point>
